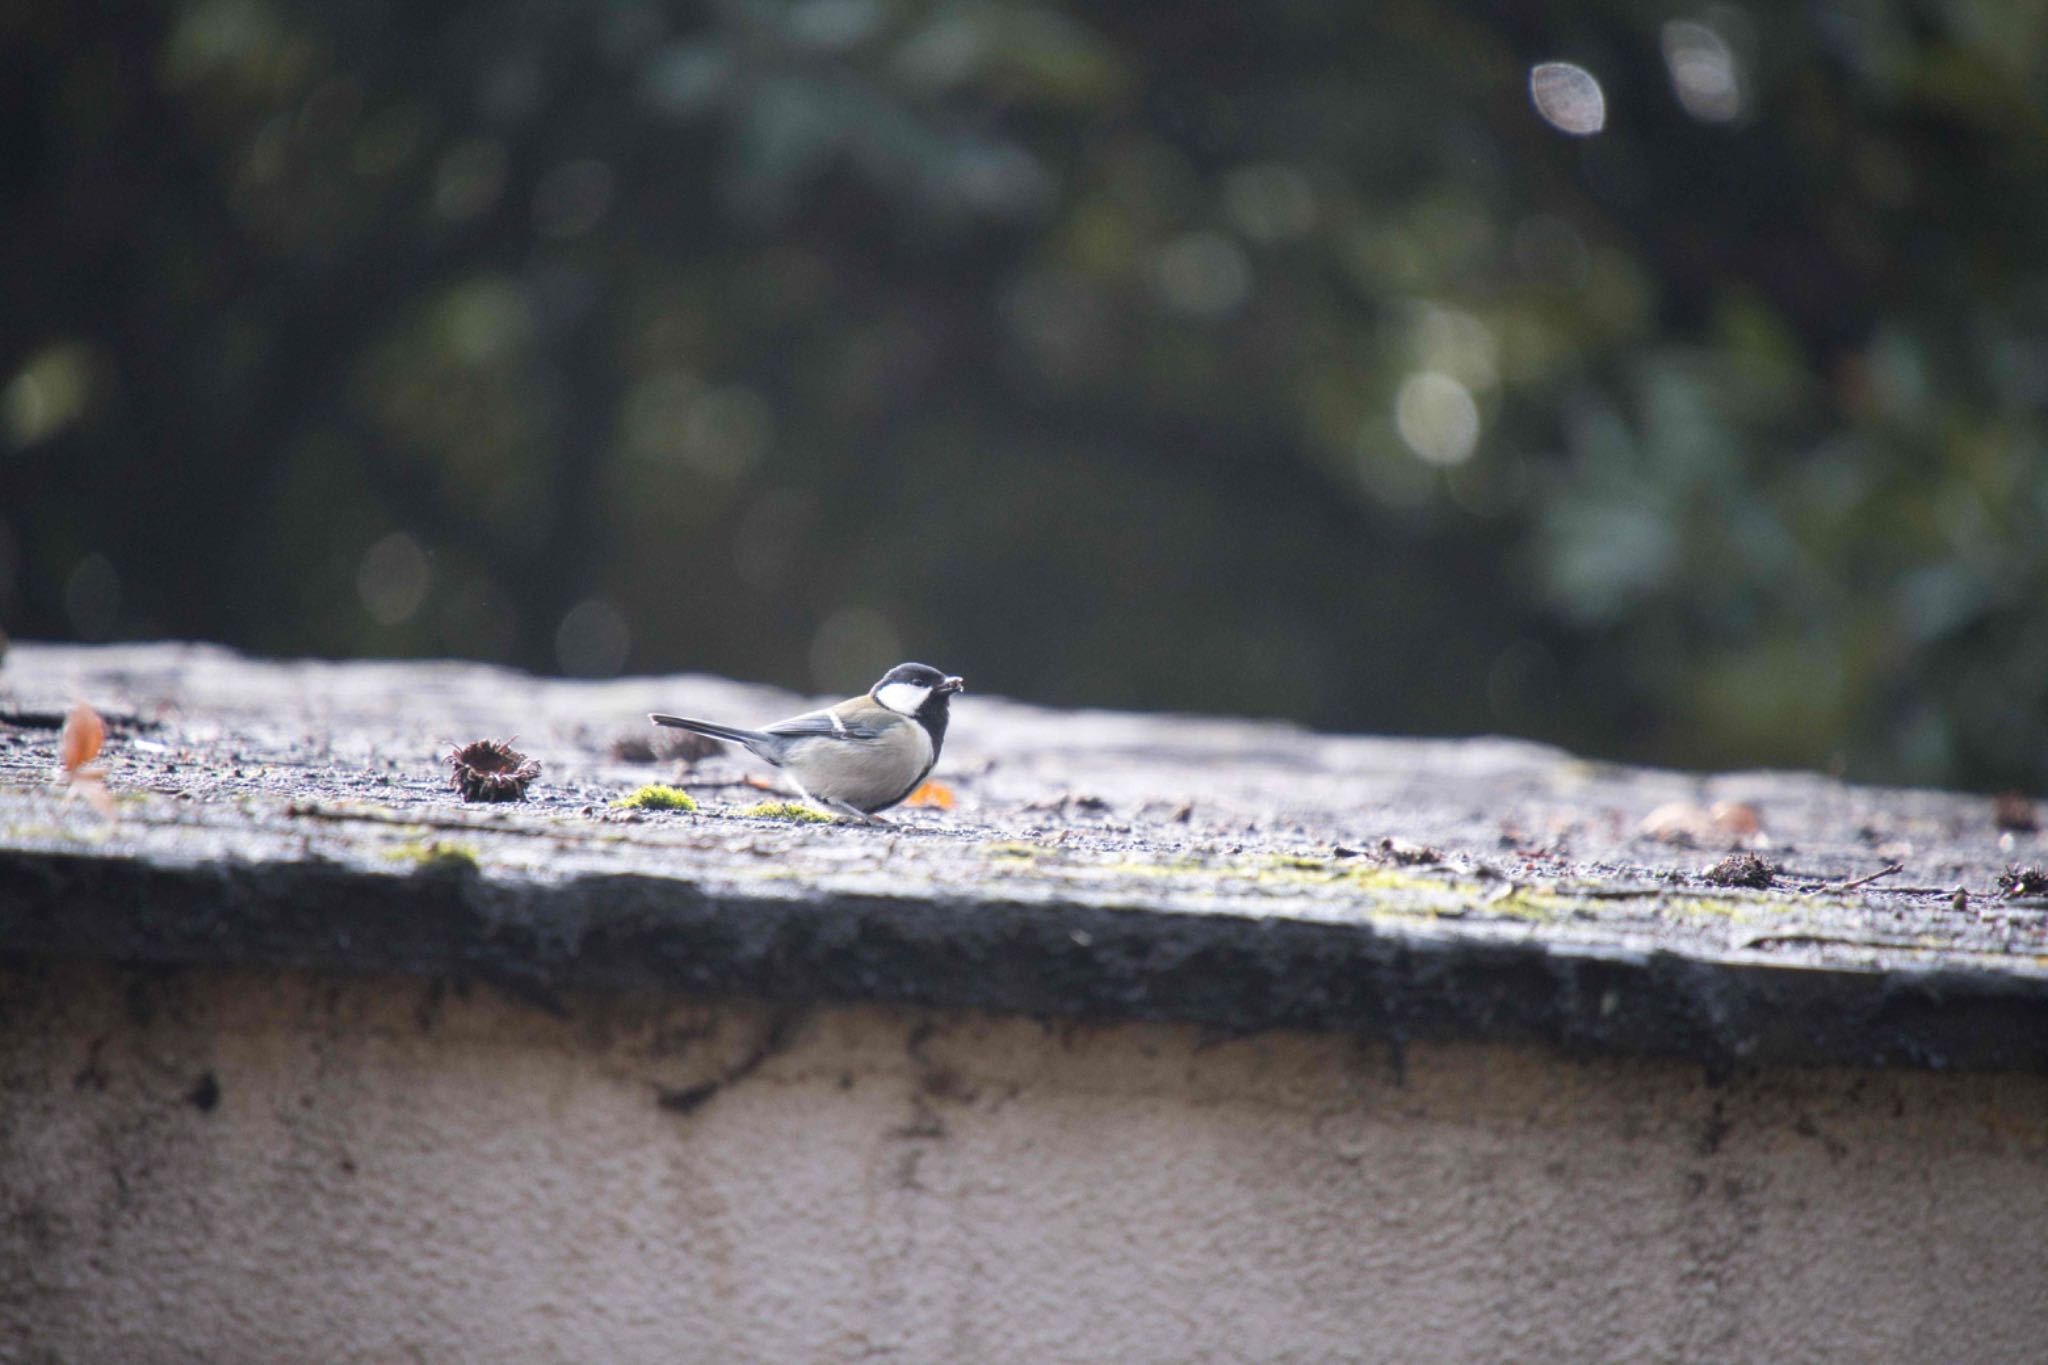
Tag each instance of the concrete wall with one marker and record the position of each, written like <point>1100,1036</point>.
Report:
<point>254,1167</point>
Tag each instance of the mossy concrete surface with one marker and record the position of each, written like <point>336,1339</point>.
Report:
<point>1239,875</point>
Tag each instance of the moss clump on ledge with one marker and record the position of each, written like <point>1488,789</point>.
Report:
<point>654,796</point>
<point>787,810</point>
<point>436,855</point>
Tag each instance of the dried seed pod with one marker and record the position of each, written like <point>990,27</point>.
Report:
<point>631,749</point>
<point>684,747</point>
<point>1741,869</point>
<point>491,770</point>
<point>2023,881</point>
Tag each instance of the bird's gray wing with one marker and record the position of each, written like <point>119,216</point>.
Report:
<point>822,725</point>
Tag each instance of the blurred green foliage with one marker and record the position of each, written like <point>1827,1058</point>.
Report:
<point>1279,359</point>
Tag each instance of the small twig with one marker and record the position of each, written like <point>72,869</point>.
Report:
<point>1890,871</point>
<point>1824,940</point>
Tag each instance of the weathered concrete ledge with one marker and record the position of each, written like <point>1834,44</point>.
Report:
<point>1229,874</point>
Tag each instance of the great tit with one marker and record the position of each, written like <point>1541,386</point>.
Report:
<point>863,755</point>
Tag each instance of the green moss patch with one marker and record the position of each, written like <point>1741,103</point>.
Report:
<point>654,796</point>
<point>788,810</point>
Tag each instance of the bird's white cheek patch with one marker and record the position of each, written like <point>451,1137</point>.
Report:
<point>902,697</point>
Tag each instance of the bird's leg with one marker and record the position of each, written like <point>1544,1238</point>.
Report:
<point>845,808</point>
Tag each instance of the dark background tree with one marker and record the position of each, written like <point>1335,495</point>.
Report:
<point>1278,359</point>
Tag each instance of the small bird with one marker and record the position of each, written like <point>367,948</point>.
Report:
<point>863,755</point>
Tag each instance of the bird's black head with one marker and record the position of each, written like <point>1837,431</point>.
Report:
<point>919,691</point>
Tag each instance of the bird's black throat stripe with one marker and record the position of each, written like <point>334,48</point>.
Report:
<point>933,716</point>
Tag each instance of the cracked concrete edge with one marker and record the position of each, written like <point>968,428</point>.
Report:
<point>1233,974</point>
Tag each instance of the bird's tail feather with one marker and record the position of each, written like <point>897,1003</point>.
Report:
<point>728,733</point>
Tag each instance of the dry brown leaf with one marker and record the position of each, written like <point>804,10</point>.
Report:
<point>1677,822</point>
<point>1737,819</point>
<point>936,794</point>
<point>2014,811</point>
<point>1689,825</point>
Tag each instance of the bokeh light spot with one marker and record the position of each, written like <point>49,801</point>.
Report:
<point>833,25</point>
<point>687,79</point>
<point>1270,203</point>
<point>728,431</point>
<point>592,640</point>
<point>47,396</point>
<point>484,322</point>
<point>657,412</point>
<point>998,178</point>
<point>1704,74</point>
<point>1568,97</point>
<point>1202,274</point>
<point>392,579</point>
<point>213,37</point>
<point>1453,342</point>
<point>1437,417</point>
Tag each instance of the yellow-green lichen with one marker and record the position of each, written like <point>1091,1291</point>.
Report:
<point>1365,876</point>
<point>435,855</point>
<point>654,796</point>
<point>787,810</point>
<point>1016,852</point>
<point>1137,868</point>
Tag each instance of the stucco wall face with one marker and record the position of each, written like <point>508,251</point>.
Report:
<point>244,1167</point>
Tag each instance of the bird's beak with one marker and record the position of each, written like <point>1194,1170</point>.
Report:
<point>953,685</point>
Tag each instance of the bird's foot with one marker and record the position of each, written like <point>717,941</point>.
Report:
<point>856,813</point>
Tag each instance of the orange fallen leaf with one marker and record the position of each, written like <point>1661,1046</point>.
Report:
<point>83,734</point>
<point>77,745</point>
<point>931,794</point>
